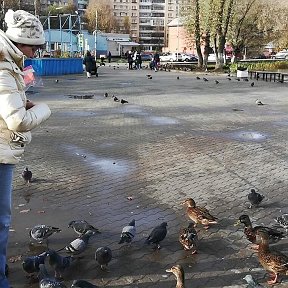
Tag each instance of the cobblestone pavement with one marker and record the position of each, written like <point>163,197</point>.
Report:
<point>177,138</point>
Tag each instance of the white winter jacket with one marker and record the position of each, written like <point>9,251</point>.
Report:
<point>15,121</point>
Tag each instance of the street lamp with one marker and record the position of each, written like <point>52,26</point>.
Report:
<point>95,33</point>
<point>177,30</point>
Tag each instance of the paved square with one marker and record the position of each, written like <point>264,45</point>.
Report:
<point>107,163</point>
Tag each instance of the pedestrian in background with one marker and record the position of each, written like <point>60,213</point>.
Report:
<point>130,60</point>
<point>138,61</point>
<point>18,116</point>
<point>89,63</point>
<point>109,56</point>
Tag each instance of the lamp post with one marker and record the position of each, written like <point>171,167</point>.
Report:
<point>177,30</point>
<point>95,33</point>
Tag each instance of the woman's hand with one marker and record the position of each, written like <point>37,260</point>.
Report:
<point>29,104</point>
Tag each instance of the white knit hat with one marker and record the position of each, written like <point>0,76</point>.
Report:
<point>24,28</point>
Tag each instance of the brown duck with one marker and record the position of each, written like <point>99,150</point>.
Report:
<point>272,261</point>
<point>188,238</point>
<point>199,215</point>
<point>178,271</point>
<point>251,232</point>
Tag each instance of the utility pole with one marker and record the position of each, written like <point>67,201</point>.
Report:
<point>95,33</point>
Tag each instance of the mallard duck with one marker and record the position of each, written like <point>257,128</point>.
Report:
<point>251,233</point>
<point>272,261</point>
<point>188,238</point>
<point>178,271</point>
<point>199,215</point>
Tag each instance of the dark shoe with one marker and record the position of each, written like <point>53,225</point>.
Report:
<point>6,270</point>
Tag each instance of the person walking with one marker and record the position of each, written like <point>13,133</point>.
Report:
<point>18,116</point>
<point>89,63</point>
<point>138,61</point>
<point>109,56</point>
<point>130,60</point>
<point>156,61</point>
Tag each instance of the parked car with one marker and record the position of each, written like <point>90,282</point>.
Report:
<point>281,55</point>
<point>171,57</point>
<point>189,57</point>
<point>146,57</point>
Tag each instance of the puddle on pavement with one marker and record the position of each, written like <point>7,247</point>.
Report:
<point>162,120</point>
<point>244,135</point>
<point>81,96</point>
<point>106,165</point>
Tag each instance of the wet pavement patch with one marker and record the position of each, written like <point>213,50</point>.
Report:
<point>89,96</point>
<point>163,121</point>
<point>246,136</point>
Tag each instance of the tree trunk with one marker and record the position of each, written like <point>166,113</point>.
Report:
<point>198,34</point>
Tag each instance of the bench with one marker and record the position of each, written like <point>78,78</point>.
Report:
<point>266,75</point>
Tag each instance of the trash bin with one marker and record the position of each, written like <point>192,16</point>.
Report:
<point>242,72</point>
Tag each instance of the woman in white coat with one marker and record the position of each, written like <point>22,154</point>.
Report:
<point>18,116</point>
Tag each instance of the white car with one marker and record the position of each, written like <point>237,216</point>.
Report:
<point>171,57</point>
<point>281,55</point>
<point>212,58</point>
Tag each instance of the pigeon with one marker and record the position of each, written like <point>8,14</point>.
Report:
<point>82,284</point>
<point>252,84</point>
<point>157,235</point>
<point>81,227</point>
<point>42,232</point>
<point>255,198</point>
<point>237,79</point>
<point>103,256</point>
<point>283,221</point>
<point>57,81</point>
<point>115,98</point>
<point>229,79</point>
<point>78,245</point>
<point>59,263</point>
<point>246,79</point>
<point>123,101</point>
<point>27,175</point>
<point>178,77</point>
<point>188,238</point>
<point>258,102</point>
<point>178,271</point>
<point>217,82</point>
<point>198,78</point>
<point>31,264</point>
<point>148,75</point>
<point>205,79</point>
<point>251,282</point>
<point>106,94</point>
<point>46,281</point>
<point>128,233</point>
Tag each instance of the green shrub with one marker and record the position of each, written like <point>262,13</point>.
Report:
<point>261,66</point>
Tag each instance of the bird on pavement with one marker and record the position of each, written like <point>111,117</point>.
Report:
<point>123,101</point>
<point>272,261</point>
<point>178,78</point>
<point>252,84</point>
<point>157,235</point>
<point>46,281</point>
<point>106,94</point>
<point>188,238</point>
<point>283,221</point>
<point>115,98</point>
<point>198,214</point>
<point>128,233</point>
<point>78,245</point>
<point>103,256</point>
<point>178,271</point>
<point>255,198</point>
<point>217,82</point>
<point>198,78</point>
<point>59,263</point>
<point>259,102</point>
<point>31,264</point>
<point>42,232</point>
<point>205,79</point>
<point>251,283</point>
<point>251,232</point>
<point>82,284</point>
<point>27,175</point>
<point>229,79</point>
<point>82,226</point>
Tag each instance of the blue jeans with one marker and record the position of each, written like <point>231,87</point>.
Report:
<point>6,177</point>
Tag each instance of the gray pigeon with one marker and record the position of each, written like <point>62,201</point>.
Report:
<point>128,233</point>
<point>103,256</point>
<point>259,102</point>
<point>157,235</point>
<point>58,262</point>
<point>82,284</point>
<point>81,227</point>
<point>283,221</point>
<point>251,283</point>
<point>31,264</point>
<point>42,232</point>
<point>46,281</point>
<point>255,198</point>
<point>78,245</point>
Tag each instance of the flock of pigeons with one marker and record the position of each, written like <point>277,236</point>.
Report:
<point>188,238</point>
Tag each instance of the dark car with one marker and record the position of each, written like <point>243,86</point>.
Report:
<point>146,57</point>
